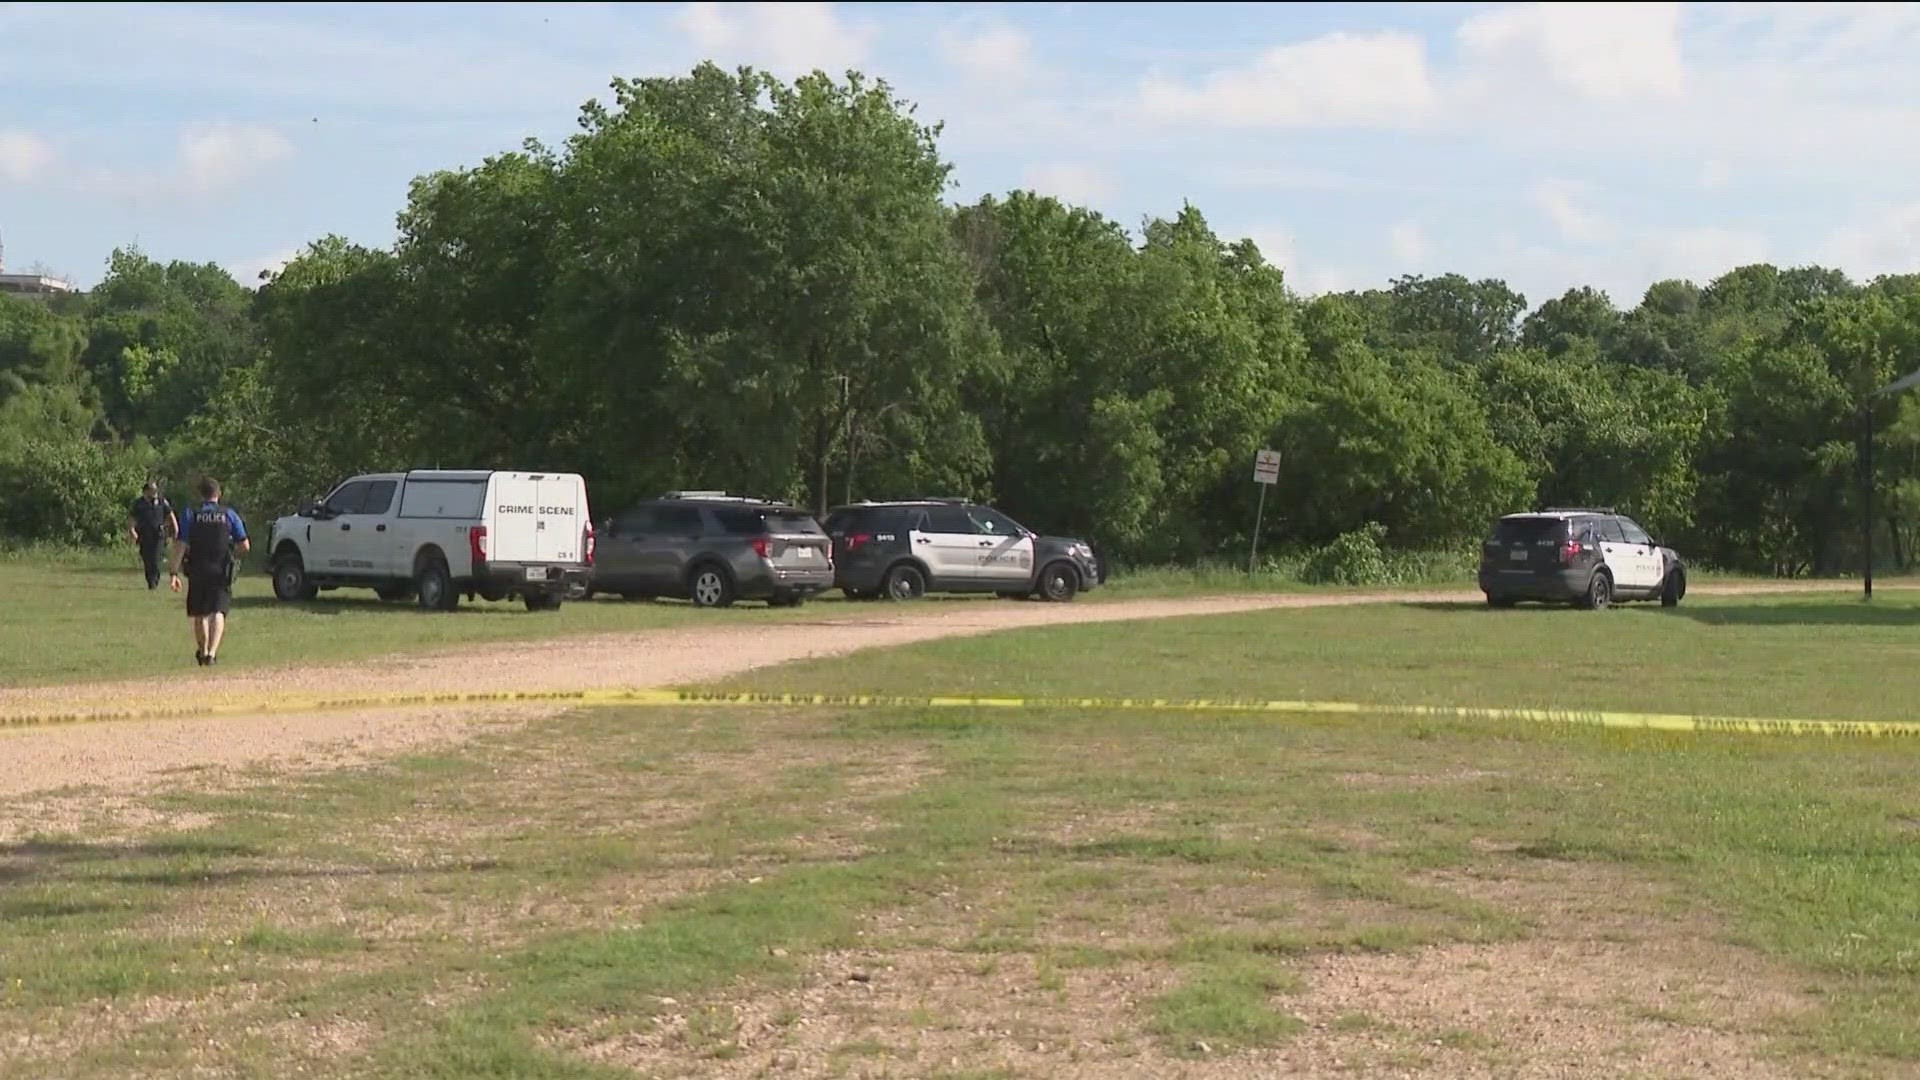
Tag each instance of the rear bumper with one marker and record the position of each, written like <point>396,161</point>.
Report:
<point>766,580</point>
<point>859,575</point>
<point>1570,584</point>
<point>506,578</point>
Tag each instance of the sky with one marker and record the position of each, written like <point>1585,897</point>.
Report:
<point>1550,145</point>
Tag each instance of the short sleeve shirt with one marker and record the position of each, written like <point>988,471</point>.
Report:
<point>149,518</point>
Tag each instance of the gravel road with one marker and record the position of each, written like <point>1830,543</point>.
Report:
<point>122,755</point>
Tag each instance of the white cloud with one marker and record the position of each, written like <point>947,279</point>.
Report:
<point>785,38</point>
<point>1279,248</point>
<point>212,158</point>
<point>1698,254</point>
<point>1081,184</point>
<point>248,272</point>
<point>1000,57</point>
<point>1608,52</point>
<point>1320,280</point>
<point>1886,243</point>
<point>220,155</point>
<point>1561,201</point>
<point>1715,175</point>
<point>1276,245</point>
<point>24,155</point>
<point>1338,80</point>
<point>1409,244</point>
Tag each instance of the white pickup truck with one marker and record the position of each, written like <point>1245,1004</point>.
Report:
<point>437,534</point>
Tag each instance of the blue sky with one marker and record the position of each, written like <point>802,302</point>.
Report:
<point>1551,145</point>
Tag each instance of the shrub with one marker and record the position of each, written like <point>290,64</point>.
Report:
<point>1353,558</point>
<point>66,491</point>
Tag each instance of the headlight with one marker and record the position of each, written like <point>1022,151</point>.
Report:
<point>1082,550</point>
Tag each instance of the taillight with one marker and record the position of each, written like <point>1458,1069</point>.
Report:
<point>1569,553</point>
<point>586,545</point>
<point>477,543</point>
<point>761,546</point>
<point>854,540</point>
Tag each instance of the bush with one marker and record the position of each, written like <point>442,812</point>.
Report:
<point>67,491</point>
<point>1353,558</point>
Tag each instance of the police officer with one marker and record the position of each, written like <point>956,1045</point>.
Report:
<point>214,537</point>
<point>150,522</point>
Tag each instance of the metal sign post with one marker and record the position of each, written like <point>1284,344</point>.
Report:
<point>1266,473</point>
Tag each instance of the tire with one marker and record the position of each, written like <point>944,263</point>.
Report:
<point>544,602</point>
<point>1501,602</point>
<point>1058,583</point>
<point>394,592</point>
<point>1673,589</point>
<point>710,586</point>
<point>290,580</point>
<point>904,582</point>
<point>1599,595</point>
<point>433,586</point>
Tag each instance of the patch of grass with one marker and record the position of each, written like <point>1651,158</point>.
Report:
<point>85,619</point>
<point>1223,1007</point>
<point>494,909</point>
<point>1736,656</point>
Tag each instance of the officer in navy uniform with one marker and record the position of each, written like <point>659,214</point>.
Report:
<point>150,522</point>
<point>213,538</point>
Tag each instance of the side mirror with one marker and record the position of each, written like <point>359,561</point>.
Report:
<point>311,509</point>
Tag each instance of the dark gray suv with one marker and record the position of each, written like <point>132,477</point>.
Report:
<point>712,548</point>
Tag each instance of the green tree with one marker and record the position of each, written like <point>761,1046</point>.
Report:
<point>753,270</point>
<point>159,336</point>
<point>1402,444</point>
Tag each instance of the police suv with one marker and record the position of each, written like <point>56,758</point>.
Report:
<point>904,550</point>
<point>1587,557</point>
<point>435,534</point>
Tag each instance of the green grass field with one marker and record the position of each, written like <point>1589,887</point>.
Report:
<point>825,892</point>
<point>88,615</point>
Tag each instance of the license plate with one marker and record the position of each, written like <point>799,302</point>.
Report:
<point>806,553</point>
<point>536,573</point>
<point>1518,554</point>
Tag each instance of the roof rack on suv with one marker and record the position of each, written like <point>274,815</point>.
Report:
<point>713,496</point>
<point>1579,510</point>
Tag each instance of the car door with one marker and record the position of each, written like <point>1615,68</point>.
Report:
<point>334,542</point>
<point>616,561</point>
<point>661,554</point>
<point>1614,553</point>
<point>948,543</point>
<point>374,538</point>
<point>1646,556</point>
<point>1004,549</point>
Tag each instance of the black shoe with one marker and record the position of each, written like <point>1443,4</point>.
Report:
<point>212,660</point>
<point>202,659</point>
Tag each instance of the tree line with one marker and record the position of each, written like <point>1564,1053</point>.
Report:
<point>726,280</point>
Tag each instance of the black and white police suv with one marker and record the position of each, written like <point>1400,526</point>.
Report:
<point>904,550</point>
<point>1588,557</point>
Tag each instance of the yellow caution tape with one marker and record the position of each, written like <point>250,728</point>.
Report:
<point>288,704</point>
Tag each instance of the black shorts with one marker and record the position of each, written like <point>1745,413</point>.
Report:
<point>208,593</point>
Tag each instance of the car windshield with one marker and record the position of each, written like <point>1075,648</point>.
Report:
<point>1529,530</point>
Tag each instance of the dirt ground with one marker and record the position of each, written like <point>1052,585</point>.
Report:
<point>129,755</point>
